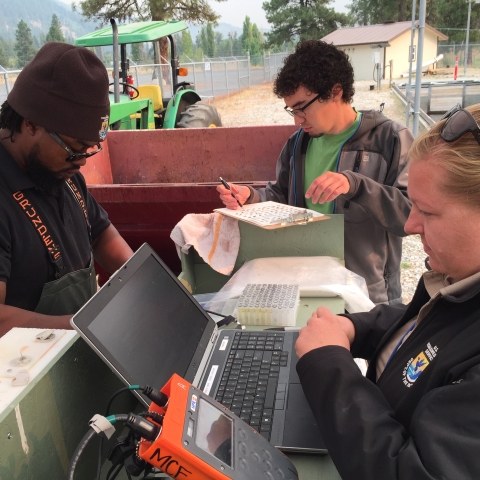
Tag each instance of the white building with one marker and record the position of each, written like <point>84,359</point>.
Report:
<point>388,43</point>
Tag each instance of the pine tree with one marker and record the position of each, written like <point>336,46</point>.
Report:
<point>307,19</point>
<point>236,43</point>
<point>370,12</point>
<point>187,43</point>
<point>257,41</point>
<point>206,40</point>
<point>24,47</point>
<point>136,54</point>
<point>178,43</point>
<point>55,32</point>
<point>225,48</point>
<point>9,49</point>
<point>246,35</point>
<point>202,41</point>
<point>210,41</point>
<point>453,14</point>
<point>3,56</point>
<point>252,41</point>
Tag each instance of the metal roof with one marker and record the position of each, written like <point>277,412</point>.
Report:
<point>131,33</point>
<point>371,34</point>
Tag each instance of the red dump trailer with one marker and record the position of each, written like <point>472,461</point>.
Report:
<point>148,180</point>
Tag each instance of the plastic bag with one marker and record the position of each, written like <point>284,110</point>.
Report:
<point>316,277</point>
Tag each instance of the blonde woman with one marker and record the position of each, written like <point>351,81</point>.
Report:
<point>416,416</point>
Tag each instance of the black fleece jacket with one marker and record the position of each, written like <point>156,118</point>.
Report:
<point>421,420</point>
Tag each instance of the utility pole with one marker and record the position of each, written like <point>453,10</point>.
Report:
<point>466,41</point>
<point>468,36</point>
<point>418,80</point>
<point>409,84</point>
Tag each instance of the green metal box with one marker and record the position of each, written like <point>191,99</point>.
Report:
<point>321,238</point>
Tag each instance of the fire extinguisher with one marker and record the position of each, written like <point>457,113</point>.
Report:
<point>130,81</point>
<point>455,69</point>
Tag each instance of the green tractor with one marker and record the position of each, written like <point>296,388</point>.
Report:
<point>144,106</point>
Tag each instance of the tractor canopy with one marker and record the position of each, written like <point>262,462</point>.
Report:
<point>183,110</point>
<point>132,33</point>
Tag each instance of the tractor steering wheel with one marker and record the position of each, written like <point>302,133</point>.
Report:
<point>126,85</point>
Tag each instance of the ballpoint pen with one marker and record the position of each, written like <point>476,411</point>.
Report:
<point>227,186</point>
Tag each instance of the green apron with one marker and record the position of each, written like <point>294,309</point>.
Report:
<point>69,291</point>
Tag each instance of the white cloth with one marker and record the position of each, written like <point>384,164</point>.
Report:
<point>215,237</point>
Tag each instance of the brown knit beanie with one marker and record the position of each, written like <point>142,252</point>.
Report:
<point>65,90</point>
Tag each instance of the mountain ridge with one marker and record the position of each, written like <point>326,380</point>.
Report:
<point>37,14</point>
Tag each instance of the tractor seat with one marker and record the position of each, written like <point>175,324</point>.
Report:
<point>155,94</point>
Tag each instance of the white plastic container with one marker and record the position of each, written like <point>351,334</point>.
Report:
<point>268,304</point>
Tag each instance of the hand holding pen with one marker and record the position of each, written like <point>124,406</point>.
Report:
<point>227,203</point>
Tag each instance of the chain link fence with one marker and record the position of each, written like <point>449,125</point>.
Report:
<point>7,80</point>
<point>450,52</point>
<point>212,77</point>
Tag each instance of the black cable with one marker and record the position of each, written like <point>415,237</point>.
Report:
<point>82,445</point>
<point>115,474</point>
<point>226,319</point>
<point>148,470</point>
<point>107,413</point>
<point>78,452</point>
<point>152,478</point>
<point>153,415</point>
<point>99,462</point>
<point>115,395</point>
<point>215,313</point>
<point>110,471</point>
<point>146,390</point>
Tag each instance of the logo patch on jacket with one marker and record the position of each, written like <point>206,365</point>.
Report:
<point>415,366</point>
<point>104,128</point>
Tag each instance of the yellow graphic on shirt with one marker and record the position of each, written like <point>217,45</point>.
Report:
<point>418,365</point>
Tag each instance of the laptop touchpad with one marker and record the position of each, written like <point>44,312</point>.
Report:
<point>301,427</point>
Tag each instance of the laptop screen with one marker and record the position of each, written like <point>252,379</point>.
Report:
<point>145,324</point>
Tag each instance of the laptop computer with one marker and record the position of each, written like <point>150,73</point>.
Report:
<point>146,326</point>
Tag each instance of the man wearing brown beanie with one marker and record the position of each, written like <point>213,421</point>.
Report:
<point>51,228</point>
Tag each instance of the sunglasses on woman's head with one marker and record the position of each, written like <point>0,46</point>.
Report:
<point>458,122</point>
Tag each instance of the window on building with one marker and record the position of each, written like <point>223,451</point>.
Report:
<point>413,52</point>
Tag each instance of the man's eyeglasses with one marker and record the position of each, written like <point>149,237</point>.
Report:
<point>74,155</point>
<point>458,122</point>
<point>300,112</point>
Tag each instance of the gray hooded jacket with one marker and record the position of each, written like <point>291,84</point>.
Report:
<point>374,159</point>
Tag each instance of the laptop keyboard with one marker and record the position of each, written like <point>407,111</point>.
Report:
<point>249,384</point>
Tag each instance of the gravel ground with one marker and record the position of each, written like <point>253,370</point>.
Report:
<point>259,106</point>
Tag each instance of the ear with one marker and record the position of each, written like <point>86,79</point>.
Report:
<point>31,128</point>
<point>337,92</point>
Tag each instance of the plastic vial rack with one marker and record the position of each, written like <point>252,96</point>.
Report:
<point>268,304</point>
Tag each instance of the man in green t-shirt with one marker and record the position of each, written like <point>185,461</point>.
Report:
<point>341,161</point>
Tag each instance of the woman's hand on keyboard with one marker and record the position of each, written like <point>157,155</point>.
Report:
<point>323,329</point>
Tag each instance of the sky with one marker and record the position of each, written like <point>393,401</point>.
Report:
<point>234,11</point>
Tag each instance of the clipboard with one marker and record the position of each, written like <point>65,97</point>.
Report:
<point>273,215</point>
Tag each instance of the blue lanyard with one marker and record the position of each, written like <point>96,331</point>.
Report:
<point>412,326</point>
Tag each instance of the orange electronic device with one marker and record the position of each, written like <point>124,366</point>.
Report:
<point>203,440</point>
